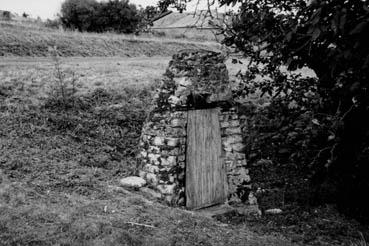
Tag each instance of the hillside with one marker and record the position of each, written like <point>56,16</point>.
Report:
<point>30,40</point>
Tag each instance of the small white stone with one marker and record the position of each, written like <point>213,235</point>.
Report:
<point>164,162</point>
<point>173,142</point>
<point>183,81</point>
<point>239,147</point>
<point>169,161</point>
<point>235,130</point>
<point>227,148</point>
<point>234,123</point>
<point>153,158</point>
<point>273,211</point>
<point>234,117</point>
<point>143,153</point>
<point>177,122</point>
<point>172,160</point>
<point>244,175</point>
<point>152,178</point>
<point>151,168</point>
<point>224,124</point>
<point>180,91</point>
<point>158,141</point>
<point>241,163</point>
<point>232,139</point>
<point>133,182</point>
<point>174,100</point>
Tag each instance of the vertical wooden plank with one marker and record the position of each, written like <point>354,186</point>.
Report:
<point>205,173</point>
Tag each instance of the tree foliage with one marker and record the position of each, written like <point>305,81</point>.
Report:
<point>324,121</point>
<point>147,16</point>
<point>331,38</point>
<point>92,16</point>
<point>180,5</point>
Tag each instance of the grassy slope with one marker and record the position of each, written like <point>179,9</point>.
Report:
<point>60,168</point>
<point>23,40</point>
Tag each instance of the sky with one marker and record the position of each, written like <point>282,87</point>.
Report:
<point>49,8</point>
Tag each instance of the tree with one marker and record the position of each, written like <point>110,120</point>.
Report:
<point>92,16</point>
<point>147,16</point>
<point>117,15</point>
<point>331,37</point>
<point>79,14</point>
<point>180,5</point>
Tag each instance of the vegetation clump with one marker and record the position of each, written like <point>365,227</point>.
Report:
<point>93,16</point>
<point>323,122</point>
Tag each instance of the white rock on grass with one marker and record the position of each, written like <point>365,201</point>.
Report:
<point>273,211</point>
<point>133,182</point>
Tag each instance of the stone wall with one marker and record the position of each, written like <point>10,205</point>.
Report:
<point>194,80</point>
<point>234,156</point>
<point>163,154</point>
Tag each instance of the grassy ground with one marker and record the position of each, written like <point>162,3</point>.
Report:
<point>92,73</point>
<point>61,161</point>
<point>23,40</point>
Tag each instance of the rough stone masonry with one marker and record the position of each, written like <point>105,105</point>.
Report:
<point>195,79</point>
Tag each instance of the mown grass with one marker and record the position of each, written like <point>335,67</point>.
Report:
<point>20,40</point>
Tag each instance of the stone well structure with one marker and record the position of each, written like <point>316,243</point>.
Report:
<point>195,79</point>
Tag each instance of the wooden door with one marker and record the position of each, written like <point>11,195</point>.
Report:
<point>205,170</point>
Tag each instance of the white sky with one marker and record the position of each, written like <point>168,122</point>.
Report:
<point>49,8</point>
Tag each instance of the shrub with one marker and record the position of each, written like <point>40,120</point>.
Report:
<point>6,15</point>
<point>63,89</point>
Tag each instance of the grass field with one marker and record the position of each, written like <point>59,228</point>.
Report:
<point>60,166</point>
<point>109,73</point>
<point>22,40</point>
<point>61,157</point>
